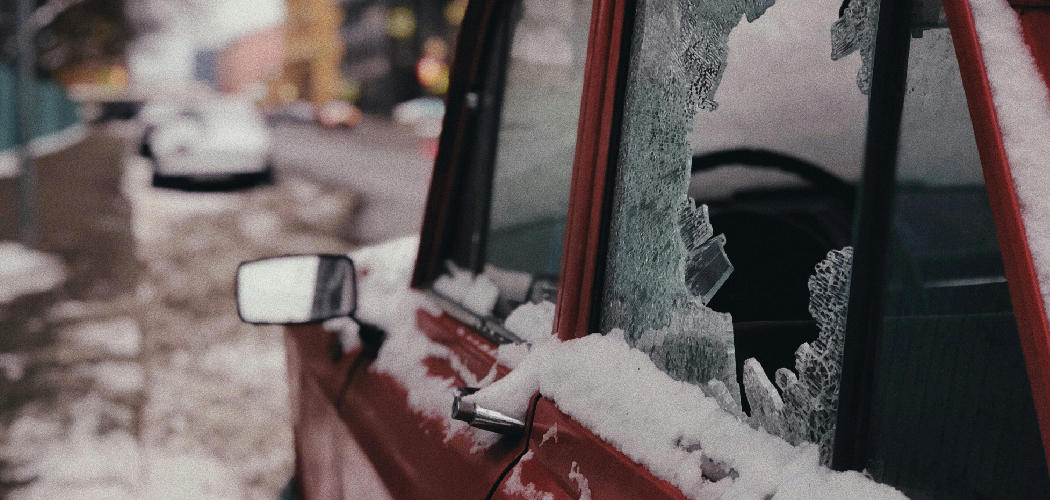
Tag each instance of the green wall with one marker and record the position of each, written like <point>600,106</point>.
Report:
<point>56,111</point>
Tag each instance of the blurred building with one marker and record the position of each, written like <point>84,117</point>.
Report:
<point>234,45</point>
<point>53,124</point>
<point>72,41</point>
<point>311,65</point>
<point>397,50</point>
<point>249,59</point>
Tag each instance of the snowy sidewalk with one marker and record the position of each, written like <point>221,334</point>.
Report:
<point>153,388</point>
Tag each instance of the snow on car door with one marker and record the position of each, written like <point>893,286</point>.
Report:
<point>491,245</point>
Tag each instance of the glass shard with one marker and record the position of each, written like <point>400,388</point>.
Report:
<point>705,40</point>
<point>855,31</point>
<point>727,400</point>
<point>706,264</point>
<point>767,407</point>
<point>654,290</point>
<point>806,411</point>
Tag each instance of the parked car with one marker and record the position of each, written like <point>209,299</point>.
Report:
<point>207,141</point>
<point>848,306</point>
<point>337,113</point>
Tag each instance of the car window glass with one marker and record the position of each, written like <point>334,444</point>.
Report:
<point>536,145</point>
<point>531,166</point>
<point>771,99</point>
<point>953,415</point>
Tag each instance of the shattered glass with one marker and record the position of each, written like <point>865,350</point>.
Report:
<point>660,274</point>
<point>704,28</point>
<point>767,407</point>
<point>807,410</point>
<point>706,264</point>
<point>855,31</point>
<point>666,260</point>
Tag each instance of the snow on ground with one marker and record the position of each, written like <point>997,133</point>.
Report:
<point>12,366</point>
<point>41,146</point>
<point>82,460</point>
<point>119,337</point>
<point>114,377</point>
<point>248,362</point>
<point>160,391</point>
<point>25,271</point>
<point>157,210</point>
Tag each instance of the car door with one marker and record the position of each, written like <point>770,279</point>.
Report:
<point>940,325</point>
<point>496,219</point>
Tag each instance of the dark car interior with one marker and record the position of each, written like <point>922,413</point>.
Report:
<point>775,237</point>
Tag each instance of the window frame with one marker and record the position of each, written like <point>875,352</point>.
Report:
<point>452,166</point>
<point>457,164</point>
<point>584,250</point>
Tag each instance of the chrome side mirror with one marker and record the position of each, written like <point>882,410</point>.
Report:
<point>296,289</point>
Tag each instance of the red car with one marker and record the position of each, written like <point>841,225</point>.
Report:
<point>787,249</point>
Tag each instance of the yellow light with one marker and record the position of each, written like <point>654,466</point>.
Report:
<point>351,91</point>
<point>454,12</point>
<point>428,70</point>
<point>433,75</point>
<point>401,23</point>
<point>440,87</point>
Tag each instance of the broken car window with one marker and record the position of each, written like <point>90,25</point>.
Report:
<point>741,143</point>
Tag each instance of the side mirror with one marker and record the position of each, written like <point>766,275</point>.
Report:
<point>296,289</point>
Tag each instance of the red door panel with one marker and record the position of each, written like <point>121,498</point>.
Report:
<point>477,353</point>
<point>317,357</point>
<point>322,434</point>
<point>410,451</point>
<point>324,449</point>
<point>564,456</point>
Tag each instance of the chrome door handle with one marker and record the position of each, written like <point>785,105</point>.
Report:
<point>483,418</point>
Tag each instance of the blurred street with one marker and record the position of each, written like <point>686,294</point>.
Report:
<point>138,142</point>
<point>135,378</point>
<point>385,165</point>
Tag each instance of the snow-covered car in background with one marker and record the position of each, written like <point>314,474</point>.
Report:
<point>843,297</point>
<point>211,141</point>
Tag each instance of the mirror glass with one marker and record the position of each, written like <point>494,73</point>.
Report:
<point>296,289</point>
